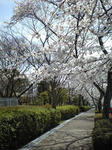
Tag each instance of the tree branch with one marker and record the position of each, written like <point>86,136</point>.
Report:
<point>25,90</point>
<point>99,88</point>
<point>102,45</point>
<point>106,12</point>
<point>44,24</point>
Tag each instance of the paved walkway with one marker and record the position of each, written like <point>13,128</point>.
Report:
<point>75,135</point>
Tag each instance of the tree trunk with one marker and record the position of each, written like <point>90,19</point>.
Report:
<point>50,99</point>
<point>79,102</point>
<point>100,103</point>
<point>54,99</point>
<point>108,96</point>
<point>69,94</point>
<point>69,100</point>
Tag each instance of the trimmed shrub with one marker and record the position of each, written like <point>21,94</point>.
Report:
<point>102,135</point>
<point>47,106</point>
<point>84,108</point>
<point>68,111</point>
<point>18,127</point>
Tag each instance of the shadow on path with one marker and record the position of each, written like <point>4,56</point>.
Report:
<point>74,135</point>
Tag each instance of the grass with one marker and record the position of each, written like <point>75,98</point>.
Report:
<point>99,116</point>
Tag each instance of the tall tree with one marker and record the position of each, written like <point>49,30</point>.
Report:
<point>12,83</point>
<point>73,32</point>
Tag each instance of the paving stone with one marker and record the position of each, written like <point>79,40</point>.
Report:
<point>75,135</point>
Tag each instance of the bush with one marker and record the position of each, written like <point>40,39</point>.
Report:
<point>44,98</point>
<point>98,116</point>
<point>102,135</point>
<point>62,96</point>
<point>19,126</point>
<point>47,106</point>
<point>68,111</point>
<point>84,108</point>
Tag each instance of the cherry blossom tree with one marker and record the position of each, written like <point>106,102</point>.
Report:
<point>91,22</point>
<point>74,38</point>
<point>13,66</point>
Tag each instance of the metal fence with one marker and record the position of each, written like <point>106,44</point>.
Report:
<point>8,102</point>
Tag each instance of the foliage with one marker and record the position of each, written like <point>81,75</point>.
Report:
<point>99,116</point>
<point>68,111</point>
<point>12,82</point>
<point>84,108</point>
<point>76,99</point>
<point>46,93</point>
<point>20,125</point>
<point>47,106</point>
<point>69,41</point>
<point>43,86</point>
<point>102,134</point>
<point>62,94</point>
<point>44,98</point>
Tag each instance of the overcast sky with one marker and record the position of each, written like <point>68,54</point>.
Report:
<point>6,10</point>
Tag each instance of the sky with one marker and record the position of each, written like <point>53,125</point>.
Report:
<point>6,10</point>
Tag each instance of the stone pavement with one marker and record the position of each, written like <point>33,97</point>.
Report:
<point>75,135</point>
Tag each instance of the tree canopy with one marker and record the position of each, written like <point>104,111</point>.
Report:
<point>69,41</point>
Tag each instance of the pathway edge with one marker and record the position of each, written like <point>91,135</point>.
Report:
<point>36,141</point>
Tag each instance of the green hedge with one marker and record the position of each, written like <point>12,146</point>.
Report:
<point>68,111</point>
<point>18,127</point>
<point>84,108</point>
<point>102,135</point>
